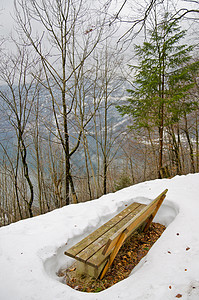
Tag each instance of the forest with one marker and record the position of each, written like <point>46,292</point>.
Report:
<point>95,96</point>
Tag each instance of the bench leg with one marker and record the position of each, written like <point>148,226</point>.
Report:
<point>151,217</point>
<point>123,236</point>
<point>82,268</point>
<point>118,245</point>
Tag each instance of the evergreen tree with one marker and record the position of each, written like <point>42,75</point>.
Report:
<point>162,79</point>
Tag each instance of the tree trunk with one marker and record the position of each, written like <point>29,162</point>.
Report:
<point>190,145</point>
<point>197,147</point>
<point>161,130</point>
<point>26,173</point>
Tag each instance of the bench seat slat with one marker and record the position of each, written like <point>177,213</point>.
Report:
<point>73,251</point>
<point>88,252</point>
<point>131,226</point>
<point>96,252</point>
<point>134,223</point>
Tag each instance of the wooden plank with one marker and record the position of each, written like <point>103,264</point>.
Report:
<point>133,224</point>
<point>120,241</point>
<point>158,201</point>
<point>73,251</point>
<point>84,268</point>
<point>97,258</point>
<point>150,219</point>
<point>89,251</point>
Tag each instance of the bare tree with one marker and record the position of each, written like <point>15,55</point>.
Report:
<point>17,99</point>
<point>135,21</point>
<point>107,89</point>
<point>67,36</point>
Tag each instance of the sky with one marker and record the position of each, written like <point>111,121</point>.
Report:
<point>32,250</point>
<point>6,22</point>
<point>131,9</point>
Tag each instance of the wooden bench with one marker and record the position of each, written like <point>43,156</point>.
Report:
<point>96,252</point>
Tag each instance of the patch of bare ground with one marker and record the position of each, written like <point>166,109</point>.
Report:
<point>133,250</point>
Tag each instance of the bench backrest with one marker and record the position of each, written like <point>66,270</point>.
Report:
<point>101,246</point>
<point>133,224</point>
<point>115,242</point>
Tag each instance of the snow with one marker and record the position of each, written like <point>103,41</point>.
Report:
<point>31,251</point>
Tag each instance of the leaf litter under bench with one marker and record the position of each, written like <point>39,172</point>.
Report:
<point>133,250</point>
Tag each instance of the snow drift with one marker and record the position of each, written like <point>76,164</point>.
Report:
<point>32,250</point>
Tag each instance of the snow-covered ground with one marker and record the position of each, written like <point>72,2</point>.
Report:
<point>31,251</point>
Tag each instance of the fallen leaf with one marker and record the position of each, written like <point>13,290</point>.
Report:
<point>169,252</point>
<point>71,270</point>
<point>187,248</point>
<point>178,296</point>
<point>130,267</point>
<point>123,264</point>
<point>177,234</point>
<point>185,269</point>
<point>170,286</point>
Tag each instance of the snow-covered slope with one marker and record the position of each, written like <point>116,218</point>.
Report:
<point>31,251</point>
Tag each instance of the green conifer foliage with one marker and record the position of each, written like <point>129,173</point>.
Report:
<point>162,80</point>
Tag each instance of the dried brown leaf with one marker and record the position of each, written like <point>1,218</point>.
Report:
<point>178,296</point>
